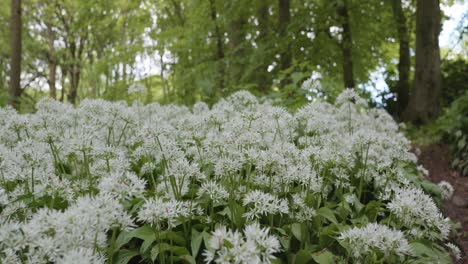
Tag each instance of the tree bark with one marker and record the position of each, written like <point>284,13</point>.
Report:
<point>284,18</point>
<point>236,48</point>
<point>261,74</point>
<point>346,44</point>
<point>404,64</point>
<point>424,102</point>
<point>63,75</point>
<point>75,68</point>
<point>15,65</point>
<point>219,57</point>
<point>52,62</point>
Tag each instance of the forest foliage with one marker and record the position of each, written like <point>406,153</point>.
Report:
<point>190,50</point>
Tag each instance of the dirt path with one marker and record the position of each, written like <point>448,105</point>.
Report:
<point>436,158</point>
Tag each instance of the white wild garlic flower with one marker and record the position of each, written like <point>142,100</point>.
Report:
<point>256,246</point>
<point>261,203</point>
<point>446,190</point>
<point>373,236</point>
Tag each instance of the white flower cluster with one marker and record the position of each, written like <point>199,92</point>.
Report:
<point>52,235</point>
<point>157,211</point>
<point>446,190</point>
<point>214,191</point>
<point>373,236</point>
<point>264,204</point>
<point>456,252</point>
<point>254,247</point>
<point>414,209</point>
<point>69,175</point>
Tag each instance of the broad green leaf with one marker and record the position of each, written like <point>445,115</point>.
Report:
<point>123,238</point>
<point>179,251</point>
<point>188,259</point>
<point>147,244</point>
<point>323,257</point>
<point>159,248</point>
<point>327,235</point>
<point>206,239</point>
<point>124,256</point>
<point>328,214</point>
<point>196,241</point>
<point>303,257</point>
<point>176,237</point>
<point>285,242</point>
<point>145,232</point>
<point>420,249</point>
<point>296,229</point>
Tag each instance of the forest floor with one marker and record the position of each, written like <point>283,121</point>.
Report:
<point>436,159</point>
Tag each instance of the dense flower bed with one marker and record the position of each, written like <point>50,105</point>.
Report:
<point>242,182</point>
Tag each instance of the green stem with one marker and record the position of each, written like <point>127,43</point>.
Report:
<point>112,246</point>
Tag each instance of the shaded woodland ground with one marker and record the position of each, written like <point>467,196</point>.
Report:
<point>437,158</point>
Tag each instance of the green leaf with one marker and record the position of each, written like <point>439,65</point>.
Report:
<point>206,239</point>
<point>188,259</point>
<point>179,251</point>
<point>145,232</point>
<point>147,244</point>
<point>196,241</point>
<point>125,255</point>
<point>296,229</point>
<point>327,235</point>
<point>328,214</point>
<point>421,250</point>
<point>323,257</point>
<point>433,253</point>
<point>285,242</point>
<point>177,237</point>
<point>159,248</point>
<point>431,188</point>
<point>303,257</point>
<point>123,238</point>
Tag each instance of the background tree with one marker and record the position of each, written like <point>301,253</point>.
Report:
<point>404,60</point>
<point>15,52</point>
<point>188,50</point>
<point>424,103</point>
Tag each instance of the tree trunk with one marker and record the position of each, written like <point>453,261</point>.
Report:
<point>236,47</point>
<point>63,74</point>
<point>74,80</point>
<point>284,18</point>
<point>52,62</point>
<point>15,65</point>
<point>219,57</point>
<point>261,74</point>
<point>161,73</point>
<point>346,45</point>
<point>424,102</point>
<point>404,64</point>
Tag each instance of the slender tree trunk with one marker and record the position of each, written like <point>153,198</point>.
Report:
<point>424,102</point>
<point>52,62</point>
<point>284,18</point>
<point>75,69</point>
<point>346,45</point>
<point>163,80</point>
<point>15,65</point>
<point>261,73</point>
<point>219,57</point>
<point>236,48</point>
<point>63,79</point>
<point>74,79</point>
<point>72,70</point>
<point>404,63</point>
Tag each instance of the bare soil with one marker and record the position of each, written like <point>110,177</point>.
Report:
<point>436,158</point>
